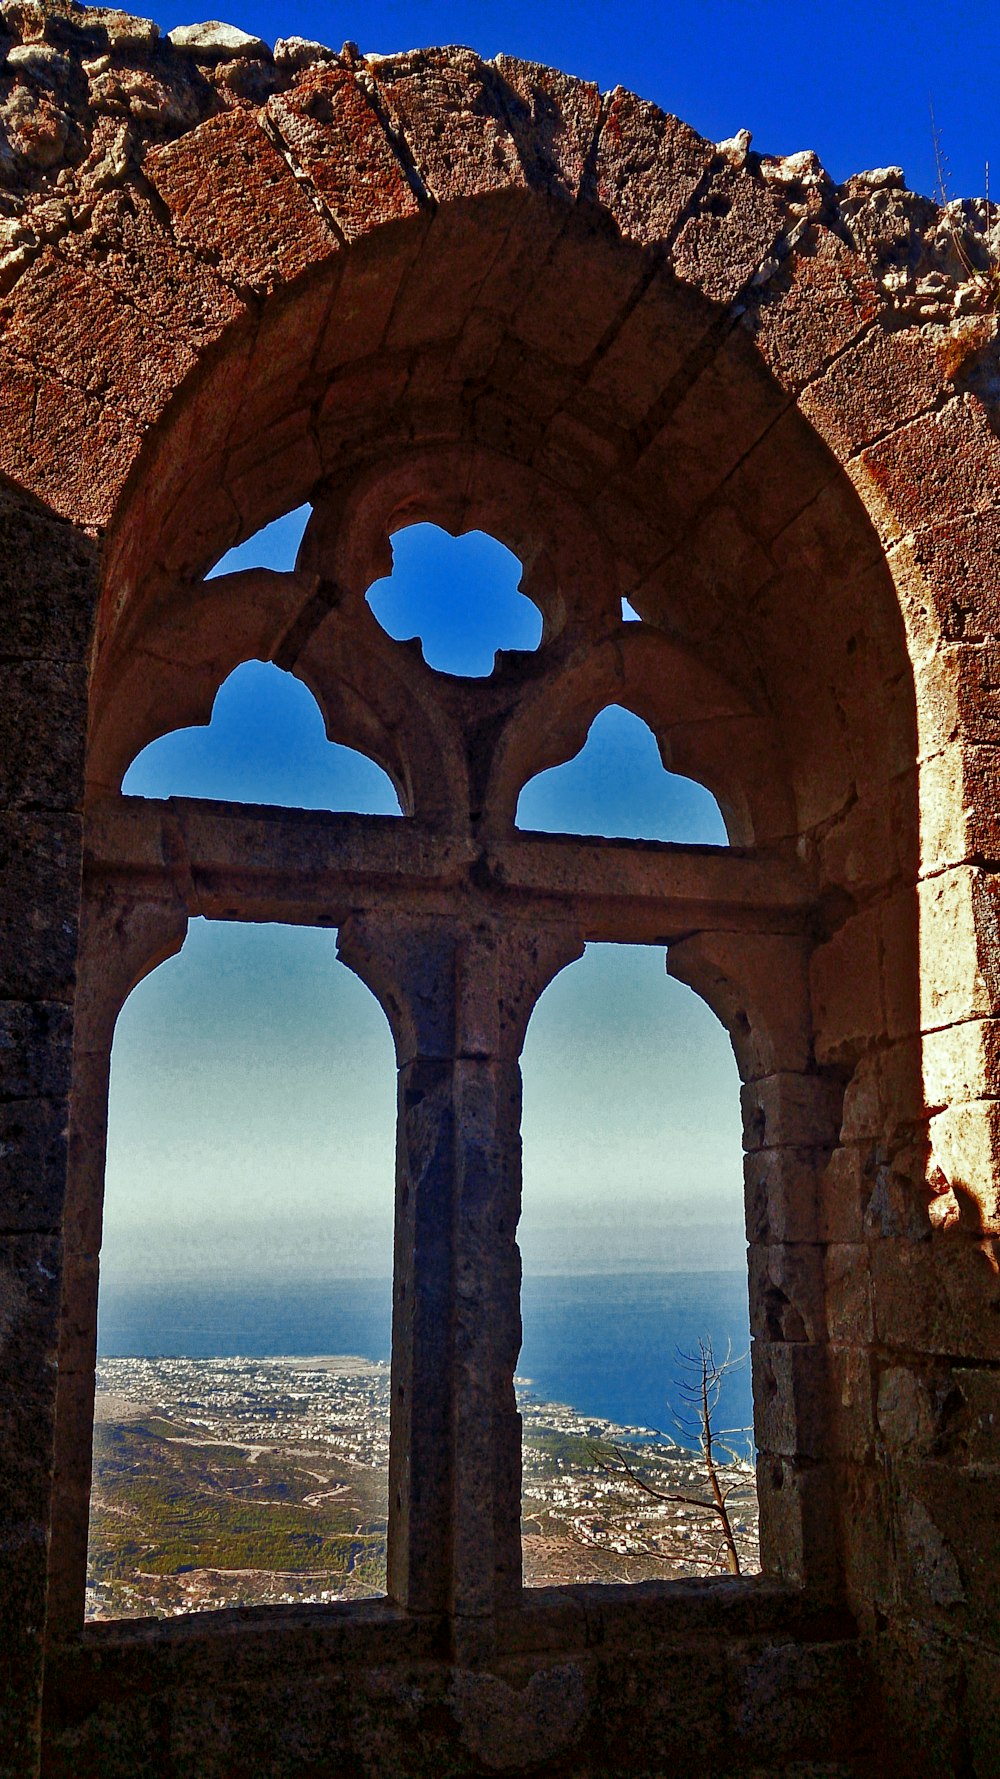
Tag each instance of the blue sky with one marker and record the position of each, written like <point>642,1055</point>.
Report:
<point>850,80</point>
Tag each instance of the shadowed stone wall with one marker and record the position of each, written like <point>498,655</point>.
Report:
<point>763,408</point>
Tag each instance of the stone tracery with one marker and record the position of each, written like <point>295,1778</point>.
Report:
<point>457,926</point>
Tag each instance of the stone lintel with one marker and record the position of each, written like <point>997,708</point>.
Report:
<point>234,862</point>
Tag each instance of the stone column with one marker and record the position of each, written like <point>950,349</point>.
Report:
<point>458,995</point>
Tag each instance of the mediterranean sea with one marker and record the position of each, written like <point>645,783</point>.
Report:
<point>605,1344</point>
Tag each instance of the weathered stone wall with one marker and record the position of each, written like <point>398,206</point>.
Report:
<point>50,583</point>
<point>761,406</point>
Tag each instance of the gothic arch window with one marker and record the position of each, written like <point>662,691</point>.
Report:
<point>457,921</point>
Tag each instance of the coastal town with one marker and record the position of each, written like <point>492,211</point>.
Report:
<point>591,1507</point>
<point>238,1481</point>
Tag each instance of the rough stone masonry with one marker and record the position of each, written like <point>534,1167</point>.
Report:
<point>762,407</point>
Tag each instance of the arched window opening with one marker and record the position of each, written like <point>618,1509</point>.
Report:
<point>459,595</point>
<point>266,743</point>
<point>634,1253</point>
<point>273,546</point>
<point>617,786</point>
<point>241,1426</point>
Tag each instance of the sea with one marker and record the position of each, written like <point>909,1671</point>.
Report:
<point>609,1346</point>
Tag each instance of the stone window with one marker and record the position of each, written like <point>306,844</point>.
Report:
<point>457,921</point>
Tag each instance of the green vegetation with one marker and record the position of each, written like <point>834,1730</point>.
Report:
<point>165,1504</point>
<point>195,1532</point>
<point>554,1447</point>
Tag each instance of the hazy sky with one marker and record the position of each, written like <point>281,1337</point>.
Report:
<point>252,1102</point>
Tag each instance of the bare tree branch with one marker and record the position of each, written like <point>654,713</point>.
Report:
<point>701,1389</point>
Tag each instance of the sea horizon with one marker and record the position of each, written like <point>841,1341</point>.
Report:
<point>605,1344</point>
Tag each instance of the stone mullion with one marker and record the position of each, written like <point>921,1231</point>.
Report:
<point>409,965</point>
<point>419,1455</point>
<point>455,1440</point>
<point>486,1428</point>
<point>458,996</point>
<point>455,1507</point>
<point>499,978</point>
